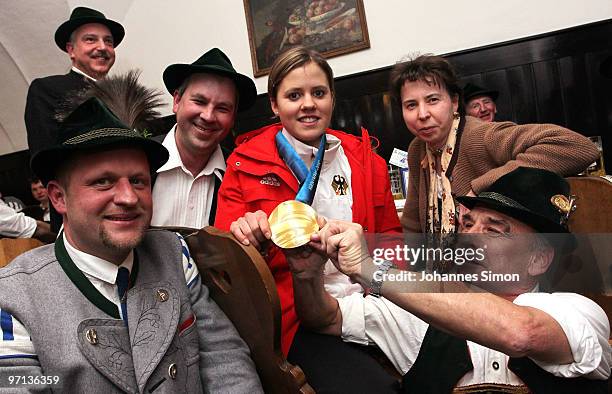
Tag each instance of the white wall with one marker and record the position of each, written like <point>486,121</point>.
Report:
<point>160,32</point>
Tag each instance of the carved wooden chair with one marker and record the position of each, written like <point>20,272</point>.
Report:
<point>13,247</point>
<point>594,201</point>
<point>592,222</point>
<point>241,283</point>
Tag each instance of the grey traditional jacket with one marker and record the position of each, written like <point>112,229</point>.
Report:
<point>177,340</point>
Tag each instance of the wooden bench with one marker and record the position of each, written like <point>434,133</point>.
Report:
<point>13,247</point>
<point>592,218</point>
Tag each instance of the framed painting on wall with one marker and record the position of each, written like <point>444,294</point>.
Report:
<point>332,27</point>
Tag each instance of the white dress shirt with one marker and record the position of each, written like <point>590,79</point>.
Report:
<point>76,70</point>
<point>15,224</point>
<point>179,197</point>
<point>101,273</point>
<point>328,202</point>
<point>399,334</point>
<point>46,213</point>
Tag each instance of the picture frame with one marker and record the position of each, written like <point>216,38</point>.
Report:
<point>331,27</point>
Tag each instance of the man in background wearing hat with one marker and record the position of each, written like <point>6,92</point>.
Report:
<point>89,39</point>
<point>207,95</point>
<point>480,102</point>
<point>111,306</point>
<point>552,343</point>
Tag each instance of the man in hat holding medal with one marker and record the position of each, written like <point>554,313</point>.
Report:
<point>112,306</point>
<point>207,95</point>
<point>549,342</point>
<point>480,102</point>
<point>89,39</point>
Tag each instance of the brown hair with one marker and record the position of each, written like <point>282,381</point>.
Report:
<point>427,68</point>
<point>292,59</point>
<point>185,84</point>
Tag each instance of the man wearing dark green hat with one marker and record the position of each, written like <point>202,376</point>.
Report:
<point>441,331</point>
<point>207,95</point>
<point>480,102</point>
<point>89,39</point>
<point>112,306</point>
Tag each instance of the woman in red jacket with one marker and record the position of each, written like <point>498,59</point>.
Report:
<point>353,185</point>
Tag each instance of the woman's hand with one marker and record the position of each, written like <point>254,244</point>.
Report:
<point>253,228</point>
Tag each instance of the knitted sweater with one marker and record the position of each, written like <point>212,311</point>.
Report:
<point>486,151</point>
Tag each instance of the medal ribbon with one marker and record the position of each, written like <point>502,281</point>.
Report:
<point>308,179</point>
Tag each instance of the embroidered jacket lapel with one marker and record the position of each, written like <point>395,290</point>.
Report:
<point>153,315</point>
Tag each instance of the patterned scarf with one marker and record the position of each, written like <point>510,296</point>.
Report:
<point>447,224</point>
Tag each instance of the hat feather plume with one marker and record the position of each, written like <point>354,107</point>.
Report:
<point>135,105</point>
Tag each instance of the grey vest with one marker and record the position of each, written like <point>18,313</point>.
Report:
<point>77,338</point>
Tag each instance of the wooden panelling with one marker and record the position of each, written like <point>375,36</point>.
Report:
<point>521,87</point>
<point>548,91</point>
<point>577,107</point>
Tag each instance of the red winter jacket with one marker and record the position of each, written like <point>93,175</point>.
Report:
<point>244,189</point>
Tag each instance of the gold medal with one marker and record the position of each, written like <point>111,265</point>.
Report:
<point>292,223</point>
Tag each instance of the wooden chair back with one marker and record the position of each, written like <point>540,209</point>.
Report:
<point>241,283</point>
<point>13,247</point>
<point>594,201</point>
<point>592,224</point>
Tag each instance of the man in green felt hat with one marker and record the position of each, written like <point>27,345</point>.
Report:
<point>89,39</point>
<point>112,306</point>
<point>207,93</point>
<point>480,102</point>
<point>468,330</point>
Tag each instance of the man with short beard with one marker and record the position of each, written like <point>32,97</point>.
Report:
<point>89,39</point>
<point>113,307</point>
